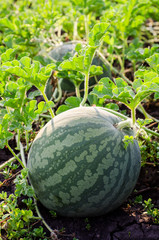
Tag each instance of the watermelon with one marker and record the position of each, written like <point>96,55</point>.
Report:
<point>78,164</point>
<point>67,85</point>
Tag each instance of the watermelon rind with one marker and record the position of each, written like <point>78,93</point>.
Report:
<point>78,164</point>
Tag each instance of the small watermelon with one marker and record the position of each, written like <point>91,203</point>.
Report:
<point>67,85</point>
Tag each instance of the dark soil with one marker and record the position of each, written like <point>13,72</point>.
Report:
<point>129,221</point>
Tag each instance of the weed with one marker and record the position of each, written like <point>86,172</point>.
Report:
<point>150,210</point>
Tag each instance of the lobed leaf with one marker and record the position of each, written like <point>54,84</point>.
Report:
<point>71,102</point>
<point>153,61</point>
<point>97,33</point>
<point>79,63</point>
<point>96,70</point>
<point>8,55</point>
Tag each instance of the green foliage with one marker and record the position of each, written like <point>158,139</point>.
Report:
<point>22,186</point>
<point>70,102</point>
<point>150,210</point>
<point>8,171</point>
<point>5,135</point>
<point>88,6</point>
<point>127,140</point>
<point>82,62</point>
<point>29,70</point>
<point>53,214</point>
<point>121,91</point>
<point>88,225</point>
<point>149,150</point>
<point>138,199</point>
<point>16,222</point>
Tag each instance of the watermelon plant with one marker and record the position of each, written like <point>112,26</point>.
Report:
<point>75,107</point>
<point>71,81</point>
<point>59,171</point>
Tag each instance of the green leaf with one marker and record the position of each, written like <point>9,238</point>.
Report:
<point>120,83</point>
<point>119,91</point>
<point>27,215</point>
<point>18,71</point>
<point>102,92</point>
<point>8,55</point>
<point>104,88</point>
<point>113,106</point>
<point>153,61</point>
<point>25,62</point>
<point>36,67</point>
<point>30,71</point>
<point>29,109</point>
<point>12,103</point>
<point>149,76</point>
<point>80,63</point>
<point>137,83</point>
<point>8,40</point>
<point>97,33</point>
<point>96,70</point>
<point>144,91</point>
<point>75,63</point>
<point>88,57</point>
<point>43,107</point>
<point>86,7</point>
<point>5,22</point>
<point>12,87</point>
<point>33,94</point>
<point>5,134</point>
<point>156,96</point>
<point>71,102</point>
<point>78,47</point>
<point>93,99</point>
<point>63,108</point>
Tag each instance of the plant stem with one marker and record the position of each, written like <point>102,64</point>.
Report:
<point>101,45</point>
<point>113,68</point>
<point>75,33</point>
<point>21,151</point>
<point>124,124</point>
<point>140,107</point>
<point>59,90</point>
<point>45,116</point>
<point>151,131</point>
<point>115,113</point>
<point>86,85</point>
<point>125,118</point>
<point>11,150</point>
<point>133,116</point>
<point>86,26</point>
<point>18,139</point>
<point>27,139</point>
<point>22,154</point>
<point>123,52</point>
<point>78,91</point>
<point>42,219</point>
<point>46,100</point>
<point>8,161</point>
<point>59,31</point>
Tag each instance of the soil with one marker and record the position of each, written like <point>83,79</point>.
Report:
<point>129,221</point>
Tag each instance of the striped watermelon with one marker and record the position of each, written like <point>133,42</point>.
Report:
<point>78,165</point>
